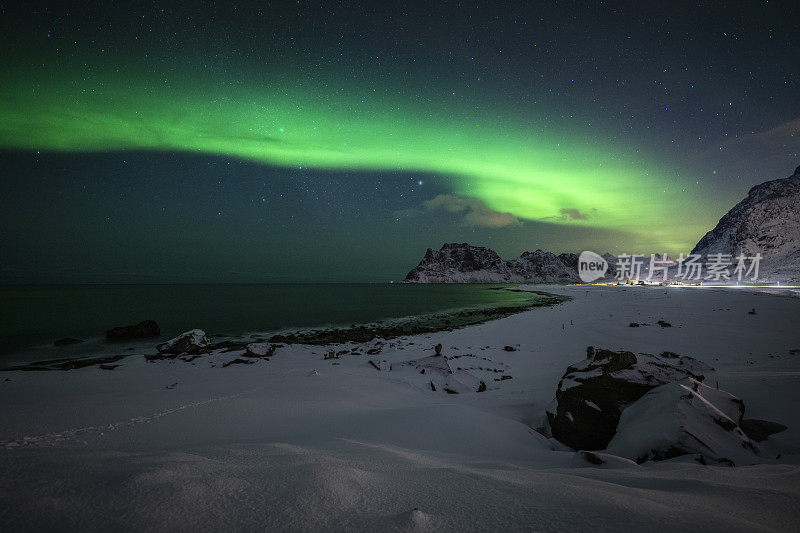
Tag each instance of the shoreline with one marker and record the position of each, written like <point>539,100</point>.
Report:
<point>267,432</point>
<point>356,333</point>
<point>414,325</point>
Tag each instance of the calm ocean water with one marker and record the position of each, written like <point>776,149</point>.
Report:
<point>31,317</point>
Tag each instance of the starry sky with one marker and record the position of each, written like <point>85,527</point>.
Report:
<point>336,141</point>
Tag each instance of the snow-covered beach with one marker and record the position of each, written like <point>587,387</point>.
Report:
<point>301,442</point>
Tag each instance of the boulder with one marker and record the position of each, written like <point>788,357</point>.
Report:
<point>260,349</point>
<point>191,342</point>
<point>680,418</point>
<point>593,393</point>
<point>142,330</point>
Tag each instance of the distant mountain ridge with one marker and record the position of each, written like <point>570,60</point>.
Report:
<point>463,263</point>
<point>766,222</point>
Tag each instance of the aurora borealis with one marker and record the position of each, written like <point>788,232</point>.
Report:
<point>524,171</point>
<point>619,135</point>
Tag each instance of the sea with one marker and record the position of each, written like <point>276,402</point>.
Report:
<point>32,317</point>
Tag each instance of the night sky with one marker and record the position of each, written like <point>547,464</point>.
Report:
<point>332,141</point>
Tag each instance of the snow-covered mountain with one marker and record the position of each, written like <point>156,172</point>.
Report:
<point>766,222</point>
<point>463,263</point>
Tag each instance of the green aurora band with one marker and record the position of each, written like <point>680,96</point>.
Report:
<point>514,165</point>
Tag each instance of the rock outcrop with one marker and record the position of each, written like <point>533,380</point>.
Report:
<point>460,263</point>
<point>260,349</point>
<point>142,330</point>
<point>683,418</point>
<point>592,394</point>
<point>545,267</point>
<point>192,343</point>
<point>767,222</point>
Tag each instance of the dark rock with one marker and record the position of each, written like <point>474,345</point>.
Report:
<point>759,430</point>
<point>225,345</point>
<point>509,348</point>
<point>238,361</point>
<point>108,367</point>
<point>438,349</point>
<point>66,341</point>
<point>591,458</point>
<point>142,330</point>
<point>593,393</point>
<point>664,324</point>
<point>633,325</point>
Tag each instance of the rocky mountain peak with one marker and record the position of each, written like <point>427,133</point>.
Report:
<point>766,222</point>
<point>463,263</point>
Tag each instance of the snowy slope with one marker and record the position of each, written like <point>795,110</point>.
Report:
<point>683,418</point>
<point>766,222</point>
<point>300,443</point>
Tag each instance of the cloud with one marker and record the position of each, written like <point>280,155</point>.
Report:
<point>475,211</point>
<point>787,130</point>
<point>407,213</point>
<point>574,214</point>
<point>566,214</point>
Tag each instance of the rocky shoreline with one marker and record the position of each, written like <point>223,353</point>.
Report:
<point>355,333</point>
<point>413,325</point>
